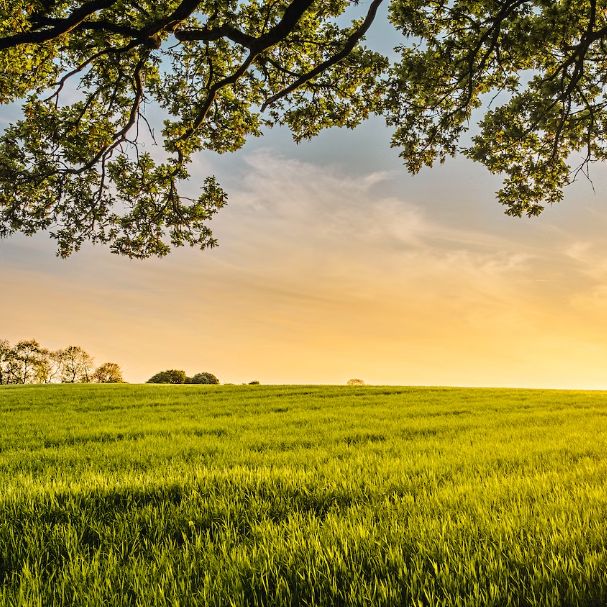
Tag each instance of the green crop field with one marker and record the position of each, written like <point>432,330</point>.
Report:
<point>254,495</point>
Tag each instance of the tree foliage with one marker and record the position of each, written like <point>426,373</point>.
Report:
<point>27,362</point>
<point>177,376</point>
<point>355,382</point>
<point>536,74</point>
<point>108,373</point>
<point>5,357</point>
<point>202,378</point>
<point>529,76</point>
<point>76,365</point>
<point>170,376</point>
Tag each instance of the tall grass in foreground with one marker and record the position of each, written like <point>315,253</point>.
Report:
<point>195,495</point>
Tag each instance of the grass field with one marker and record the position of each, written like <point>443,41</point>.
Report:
<point>254,495</point>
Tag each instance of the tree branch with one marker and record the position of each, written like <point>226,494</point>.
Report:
<point>63,26</point>
<point>277,33</point>
<point>210,34</point>
<point>345,51</point>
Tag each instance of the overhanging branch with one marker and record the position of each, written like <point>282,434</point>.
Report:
<point>351,42</point>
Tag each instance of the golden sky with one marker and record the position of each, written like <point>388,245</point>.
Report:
<point>334,263</point>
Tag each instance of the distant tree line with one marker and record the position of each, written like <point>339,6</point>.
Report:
<point>177,376</point>
<point>27,362</point>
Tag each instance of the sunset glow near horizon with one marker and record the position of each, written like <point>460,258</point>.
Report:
<point>335,263</point>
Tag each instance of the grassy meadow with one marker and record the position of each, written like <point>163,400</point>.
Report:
<point>299,495</point>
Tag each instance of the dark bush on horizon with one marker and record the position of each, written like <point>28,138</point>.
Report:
<point>355,382</point>
<point>202,378</point>
<point>170,376</point>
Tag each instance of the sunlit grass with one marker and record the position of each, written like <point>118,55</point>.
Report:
<point>254,495</point>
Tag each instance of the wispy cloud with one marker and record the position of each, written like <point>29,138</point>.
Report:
<point>288,214</point>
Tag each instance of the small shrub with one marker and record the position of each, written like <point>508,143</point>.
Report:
<point>171,376</point>
<point>355,382</point>
<point>255,382</point>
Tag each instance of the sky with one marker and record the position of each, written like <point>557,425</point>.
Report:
<point>335,263</point>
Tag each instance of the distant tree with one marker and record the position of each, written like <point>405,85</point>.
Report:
<point>355,382</point>
<point>171,376</point>
<point>49,368</point>
<point>5,355</point>
<point>108,373</point>
<point>76,365</point>
<point>255,382</point>
<point>203,378</point>
<point>27,363</point>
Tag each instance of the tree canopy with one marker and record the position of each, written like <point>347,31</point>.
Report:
<point>202,378</point>
<point>516,85</point>
<point>108,373</point>
<point>170,376</point>
<point>178,376</point>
